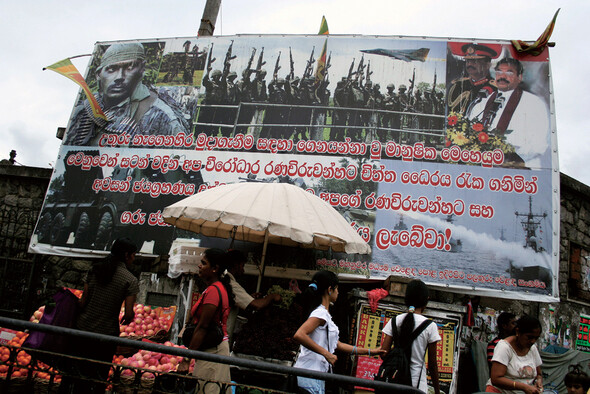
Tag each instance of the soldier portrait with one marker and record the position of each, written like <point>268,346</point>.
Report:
<point>470,79</point>
<point>124,91</point>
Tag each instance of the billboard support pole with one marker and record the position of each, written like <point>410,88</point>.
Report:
<point>209,18</point>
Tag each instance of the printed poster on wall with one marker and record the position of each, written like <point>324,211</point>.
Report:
<point>583,341</point>
<point>441,153</point>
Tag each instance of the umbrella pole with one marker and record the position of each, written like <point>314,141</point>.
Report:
<point>262,261</point>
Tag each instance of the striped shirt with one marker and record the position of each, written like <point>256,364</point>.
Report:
<point>101,313</point>
<point>491,346</point>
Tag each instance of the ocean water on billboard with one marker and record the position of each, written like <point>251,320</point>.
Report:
<point>473,264</point>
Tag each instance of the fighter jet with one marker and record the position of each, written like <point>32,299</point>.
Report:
<point>407,55</point>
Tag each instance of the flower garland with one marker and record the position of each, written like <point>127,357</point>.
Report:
<point>474,136</point>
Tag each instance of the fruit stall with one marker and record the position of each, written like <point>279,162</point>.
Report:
<point>150,324</point>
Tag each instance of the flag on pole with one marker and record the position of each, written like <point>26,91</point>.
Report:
<point>67,69</point>
<point>538,46</point>
<point>320,72</point>
<point>324,26</point>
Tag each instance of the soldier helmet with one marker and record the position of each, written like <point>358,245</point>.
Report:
<point>377,86</point>
<point>369,83</point>
<point>281,81</point>
<point>391,86</point>
<point>216,73</point>
<point>402,87</point>
<point>439,94</point>
<point>122,52</point>
<point>232,74</point>
<point>262,73</point>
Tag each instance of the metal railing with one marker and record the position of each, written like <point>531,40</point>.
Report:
<point>350,119</point>
<point>139,380</point>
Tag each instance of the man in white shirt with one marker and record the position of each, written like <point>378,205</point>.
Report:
<point>515,113</point>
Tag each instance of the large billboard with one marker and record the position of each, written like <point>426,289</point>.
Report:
<point>441,153</point>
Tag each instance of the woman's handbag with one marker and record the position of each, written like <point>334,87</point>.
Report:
<point>214,334</point>
<point>63,314</point>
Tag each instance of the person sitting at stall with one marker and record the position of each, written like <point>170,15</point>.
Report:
<point>416,299</point>
<point>212,308</point>
<point>243,300</point>
<point>576,381</point>
<point>516,365</point>
<point>506,326</point>
<point>318,335</point>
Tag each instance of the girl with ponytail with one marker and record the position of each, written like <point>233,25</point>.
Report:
<point>416,300</point>
<point>318,335</point>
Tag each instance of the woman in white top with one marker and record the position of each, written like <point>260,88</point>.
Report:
<point>318,335</point>
<point>516,364</point>
<point>416,299</point>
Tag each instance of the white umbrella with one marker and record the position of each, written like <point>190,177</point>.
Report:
<point>277,213</point>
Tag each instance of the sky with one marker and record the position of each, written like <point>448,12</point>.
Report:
<point>38,33</point>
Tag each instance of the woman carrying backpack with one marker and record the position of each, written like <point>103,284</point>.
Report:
<point>318,335</point>
<point>416,300</point>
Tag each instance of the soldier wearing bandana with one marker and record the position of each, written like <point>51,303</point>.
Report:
<point>130,106</point>
<point>476,83</point>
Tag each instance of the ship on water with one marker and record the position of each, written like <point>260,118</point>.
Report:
<point>531,222</point>
<point>401,225</point>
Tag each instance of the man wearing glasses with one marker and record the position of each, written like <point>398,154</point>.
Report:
<point>520,116</point>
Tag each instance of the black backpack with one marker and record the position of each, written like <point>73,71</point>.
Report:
<point>396,364</point>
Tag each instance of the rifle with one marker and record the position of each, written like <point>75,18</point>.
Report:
<point>210,59</point>
<point>328,65</point>
<point>226,61</point>
<point>350,73</point>
<point>275,73</point>
<point>291,75</point>
<point>369,72</point>
<point>434,85</point>
<point>359,71</point>
<point>250,61</point>
<point>260,61</point>
<point>411,88</point>
<point>308,67</point>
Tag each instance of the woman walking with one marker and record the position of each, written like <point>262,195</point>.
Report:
<point>416,300</point>
<point>318,335</point>
<point>212,309</point>
<point>109,285</point>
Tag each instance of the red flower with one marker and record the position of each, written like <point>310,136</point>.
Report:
<point>483,137</point>
<point>452,120</point>
<point>477,126</point>
<point>447,143</point>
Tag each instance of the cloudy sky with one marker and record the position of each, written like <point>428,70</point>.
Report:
<point>38,33</point>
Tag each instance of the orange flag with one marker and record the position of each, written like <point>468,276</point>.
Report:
<point>538,46</point>
<point>67,69</point>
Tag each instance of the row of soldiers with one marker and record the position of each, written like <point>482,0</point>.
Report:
<point>294,107</point>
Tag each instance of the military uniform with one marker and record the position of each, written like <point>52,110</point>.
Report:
<point>463,91</point>
<point>145,113</point>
